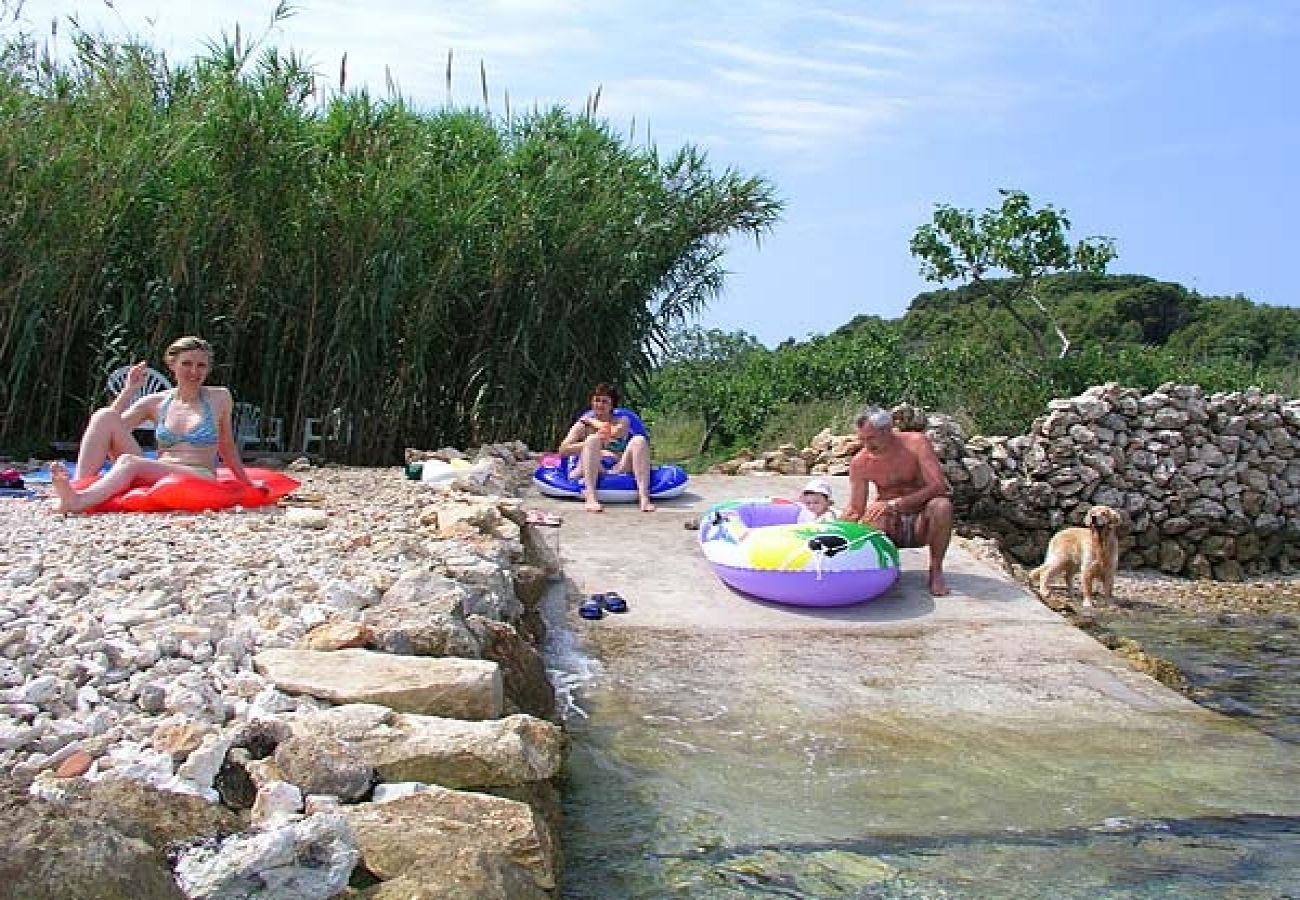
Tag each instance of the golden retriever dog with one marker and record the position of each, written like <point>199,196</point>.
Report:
<point>1092,550</point>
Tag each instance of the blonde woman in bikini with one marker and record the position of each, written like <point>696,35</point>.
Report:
<point>600,435</point>
<point>193,428</point>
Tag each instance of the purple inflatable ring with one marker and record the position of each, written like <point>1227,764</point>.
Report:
<point>759,547</point>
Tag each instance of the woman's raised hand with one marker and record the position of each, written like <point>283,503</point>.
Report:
<point>135,377</point>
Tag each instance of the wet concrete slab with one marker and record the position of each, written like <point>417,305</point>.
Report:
<point>991,640</point>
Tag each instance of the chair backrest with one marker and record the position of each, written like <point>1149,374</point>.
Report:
<point>247,421</point>
<point>334,427</point>
<point>154,381</point>
<point>634,423</point>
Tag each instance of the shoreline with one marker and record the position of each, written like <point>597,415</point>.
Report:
<point>371,526</point>
<point>1156,588</point>
<point>1273,600</point>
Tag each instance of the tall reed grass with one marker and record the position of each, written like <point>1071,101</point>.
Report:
<point>443,277</point>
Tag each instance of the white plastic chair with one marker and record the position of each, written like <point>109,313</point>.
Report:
<point>247,421</point>
<point>154,381</point>
<point>330,428</point>
<point>273,433</point>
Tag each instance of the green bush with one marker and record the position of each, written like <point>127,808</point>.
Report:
<point>798,423</point>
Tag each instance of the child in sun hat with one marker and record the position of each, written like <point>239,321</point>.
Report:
<point>817,500</point>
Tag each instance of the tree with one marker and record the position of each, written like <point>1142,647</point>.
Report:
<point>1024,243</point>
<point>1159,308</point>
<point>699,372</point>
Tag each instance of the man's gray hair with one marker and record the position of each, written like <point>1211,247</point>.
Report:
<point>877,417</point>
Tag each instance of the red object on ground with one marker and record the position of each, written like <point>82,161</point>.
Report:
<point>194,493</point>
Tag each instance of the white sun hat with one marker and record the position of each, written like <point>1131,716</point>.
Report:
<point>819,486</point>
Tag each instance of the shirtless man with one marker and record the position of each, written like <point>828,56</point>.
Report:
<point>912,504</point>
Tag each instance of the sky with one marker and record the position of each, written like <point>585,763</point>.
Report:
<point>1171,126</point>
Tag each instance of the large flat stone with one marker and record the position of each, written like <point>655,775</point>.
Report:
<point>420,835</point>
<point>451,687</point>
<point>505,752</point>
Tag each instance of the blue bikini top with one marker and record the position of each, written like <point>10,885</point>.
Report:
<point>204,434</point>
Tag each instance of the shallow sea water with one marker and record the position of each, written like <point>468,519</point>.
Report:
<point>677,787</point>
<point>1244,666</point>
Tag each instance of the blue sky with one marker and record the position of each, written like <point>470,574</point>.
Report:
<point>1172,126</point>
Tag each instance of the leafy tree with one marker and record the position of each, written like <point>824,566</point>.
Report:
<point>1023,242</point>
<point>699,374</point>
<point>1234,327</point>
<point>1159,308</point>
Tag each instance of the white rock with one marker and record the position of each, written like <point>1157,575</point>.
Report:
<point>385,792</point>
<point>277,802</point>
<point>203,763</point>
<point>304,860</point>
<point>305,517</point>
<point>41,691</point>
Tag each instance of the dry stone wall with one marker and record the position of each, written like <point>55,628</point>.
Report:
<point>1209,486</point>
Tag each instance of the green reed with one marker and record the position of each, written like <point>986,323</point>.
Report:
<point>443,277</point>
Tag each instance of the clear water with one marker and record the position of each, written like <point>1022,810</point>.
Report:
<point>682,784</point>
<point>1245,666</point>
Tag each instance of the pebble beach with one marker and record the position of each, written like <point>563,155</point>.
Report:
<point>297,700</point>
<point>114,626</point>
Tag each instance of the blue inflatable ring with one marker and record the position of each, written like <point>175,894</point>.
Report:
<point>553,476</point>
<point>665,482</point>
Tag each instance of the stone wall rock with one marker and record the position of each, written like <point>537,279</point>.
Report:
<point>441,837</point>
<point>105,840</point>
<point>512,751</point>
<point>436,686</point>
<point>303,860</point>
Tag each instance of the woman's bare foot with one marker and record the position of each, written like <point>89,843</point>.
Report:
<point>65,498</point>
<point>647,506</point>
<point>938,587</point>
<point>593,505</point>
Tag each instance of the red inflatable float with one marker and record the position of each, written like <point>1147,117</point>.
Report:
<point>194,493</point>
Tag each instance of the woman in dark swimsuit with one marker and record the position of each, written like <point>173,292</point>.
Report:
<point>600,434</point>
<point>193,428</point>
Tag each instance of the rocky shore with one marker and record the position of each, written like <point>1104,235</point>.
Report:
<point>338,696</point>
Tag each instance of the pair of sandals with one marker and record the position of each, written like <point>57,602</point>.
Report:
<point>595,606</point>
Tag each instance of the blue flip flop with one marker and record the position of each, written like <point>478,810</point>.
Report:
<point>592,608</point>
<point>614,602</point>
